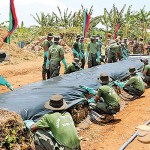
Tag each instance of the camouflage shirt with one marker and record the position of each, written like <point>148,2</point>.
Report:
<point>55,51</point>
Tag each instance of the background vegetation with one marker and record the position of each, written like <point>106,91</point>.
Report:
<point>132,24</point>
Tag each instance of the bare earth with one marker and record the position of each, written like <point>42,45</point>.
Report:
<point>96,137</point>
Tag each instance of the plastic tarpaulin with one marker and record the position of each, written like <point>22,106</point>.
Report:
<point>28,101</point>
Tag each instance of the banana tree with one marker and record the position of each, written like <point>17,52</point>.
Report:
<point>144,22</point>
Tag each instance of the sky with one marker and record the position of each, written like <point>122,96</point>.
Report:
<point>24,8</point>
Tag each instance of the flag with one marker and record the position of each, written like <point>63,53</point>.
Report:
<point>13,22</point>
<point>116,30</point>
<point>86,23</point>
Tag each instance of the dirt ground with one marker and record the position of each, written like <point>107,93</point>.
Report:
<point>108,137</point>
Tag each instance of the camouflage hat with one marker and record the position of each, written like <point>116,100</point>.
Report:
<point>104,78</point>
<point>144,60</point>
<point>46,43</point>
<point>56,102</point>
<point>132,70</point>
<point>49,35</point>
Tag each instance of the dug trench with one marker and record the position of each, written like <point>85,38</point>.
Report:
<point>94,137</point>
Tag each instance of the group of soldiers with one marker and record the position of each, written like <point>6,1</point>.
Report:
<point>54,54</point>
<point>105,100</point>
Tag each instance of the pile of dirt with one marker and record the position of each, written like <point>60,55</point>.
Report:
<point>13,134</point>
<point>15,53</point>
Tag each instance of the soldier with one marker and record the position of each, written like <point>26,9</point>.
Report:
<point>75,47</point>
<point>112,51</point>
<point>99,41</point>
<point>106,98</point>
<point>148,48</point>
<point>94,53</point>
<point>56,54</point>
<point>125,41</point>
<point>74,66</point>
<point>141,46</point>
<point>55,130</point>
<point>146,71</point>
<point>119,50</point>
<point>135,85</point>
<point>81,54</point>
<point>49,38</point>
<point>135,46</point>
<point>45,67</point>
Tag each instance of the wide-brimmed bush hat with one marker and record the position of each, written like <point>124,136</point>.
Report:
<point>104,78</point>
<point>56,102</point>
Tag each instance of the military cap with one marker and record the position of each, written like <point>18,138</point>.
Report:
<point>50,35</point>
<point>132,70</point>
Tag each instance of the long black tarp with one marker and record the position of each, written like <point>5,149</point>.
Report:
<point>28,101</point>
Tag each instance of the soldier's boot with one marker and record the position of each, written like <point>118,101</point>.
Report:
<point>43,76</point>
<point>106,118</point>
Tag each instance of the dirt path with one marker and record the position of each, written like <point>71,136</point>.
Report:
<point>108,137</point>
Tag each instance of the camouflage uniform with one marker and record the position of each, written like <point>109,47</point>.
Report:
<point>45,68</point>
<point>141,48</point>
<point>82,57</point>
<point>55,53</point>
<point>112,52</point>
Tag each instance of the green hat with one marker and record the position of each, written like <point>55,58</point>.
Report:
<point>46,43</point>
<point>50,35</point>
<point>56,102</point>
<point>104,78</point>
<point>132,70</point>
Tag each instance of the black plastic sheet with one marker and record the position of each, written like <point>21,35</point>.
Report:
<point>28,101</point>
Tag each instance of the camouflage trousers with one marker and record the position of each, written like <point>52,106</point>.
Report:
<point>147,80</point>
<point>45,73</point>
<point>112,59</point>
<point>92,60</point>
<point>132,91</point>
<point>54,68</point>
<point>43,140</point>
<point>102,106</point>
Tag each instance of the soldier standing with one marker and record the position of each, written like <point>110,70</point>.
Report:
<point>45,67</point>
<point>94,53</point>
<point>112,51</point>
<point>141,46</point>
<point>56,54</point>
<point>49,38</point>
<point>81,54</point>
<point>75,47</point>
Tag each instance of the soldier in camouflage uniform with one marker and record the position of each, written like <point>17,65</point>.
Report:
<point>45,67</point>
<point>56,129</point>
<point>94,53</point>
<point>81,54</point>
<point>141,46</point>
<point>99,41</point>
<point>112,51</point>
<point>135,46</point>
<point>148,48</point>
<point>135,85</point>
<point>146,71</point>
<point>75,47</point>
<point>74,66</point>
<point>49,38</point>
<point>56,54</point>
